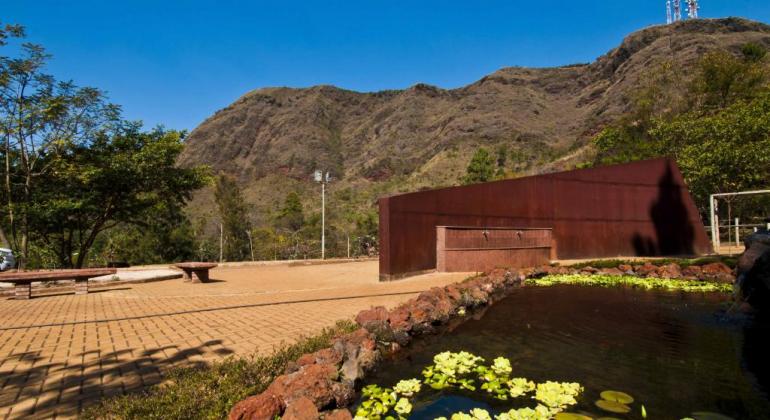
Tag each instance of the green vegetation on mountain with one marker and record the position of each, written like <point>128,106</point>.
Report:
<point>717,129</point>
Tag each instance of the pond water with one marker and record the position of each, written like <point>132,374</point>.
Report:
<point>674,352</point>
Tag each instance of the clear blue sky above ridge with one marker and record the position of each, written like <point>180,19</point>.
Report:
<point>176,62</point>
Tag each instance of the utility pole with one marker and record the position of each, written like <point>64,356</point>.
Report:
<point>251,244</point>
<point>323,178</point>
<point>221,243</point>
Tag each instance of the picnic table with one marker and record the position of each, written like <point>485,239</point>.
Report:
<point>195,272</point>
<point>23,279</point>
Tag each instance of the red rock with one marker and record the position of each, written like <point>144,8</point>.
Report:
<point>646,269</point>
<point>265,406</point>
<point>589,270</point>
<point>625,268</point>
<point>324,356</point>
<point>717,267</point>
<point>360,353</point>
<point>313,382</point>
<point>339,414</point>
<point>692,272</point>
<point>611,271</point>
<point>376,314</point>
<point>399,318</point>
<point>301,409</point>
<point>670,271</point>
<point>453,293</point>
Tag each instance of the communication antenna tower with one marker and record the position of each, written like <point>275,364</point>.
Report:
<point>692,9</point>
<point>669,17</point>
<point>677,10</point>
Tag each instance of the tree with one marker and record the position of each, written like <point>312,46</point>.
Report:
<point>234,214</point>
<point>480,169</point>
<point>127,177</point>
<point>502,158</point>
<point>291,215</point>
<point>40,119</point>
<point>718,131</point>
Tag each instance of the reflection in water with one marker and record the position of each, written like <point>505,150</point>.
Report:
<point>675,352</point>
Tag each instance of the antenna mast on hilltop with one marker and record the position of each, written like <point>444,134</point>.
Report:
<point>692,9</point>
<point>677,10</point>
<point>674,11</point>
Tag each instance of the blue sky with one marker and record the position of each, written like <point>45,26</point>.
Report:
<point>176,62</point>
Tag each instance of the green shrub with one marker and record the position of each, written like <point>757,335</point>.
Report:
<point>210,392</point>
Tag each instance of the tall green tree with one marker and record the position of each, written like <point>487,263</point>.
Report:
<point>40,120</point>
<point>291,216</point>
<point>126,177</point>
<point>234,214</point>
<point>481,168</point>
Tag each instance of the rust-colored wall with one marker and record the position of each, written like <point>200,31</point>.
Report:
<point>463,249</point>
<point>634,209</point>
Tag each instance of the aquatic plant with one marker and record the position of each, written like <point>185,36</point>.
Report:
<point>408,387</point>
<point>606,280</point>
<point>460,370</point>
<point>558,395</point>
<point>449,368</point>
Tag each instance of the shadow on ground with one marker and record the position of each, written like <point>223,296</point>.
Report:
<point>45,388</point>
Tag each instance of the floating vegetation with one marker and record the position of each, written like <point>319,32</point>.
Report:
<point>464,370</point>
<point>606,280</point>
<point>617,396</point>
<point>613,406</point>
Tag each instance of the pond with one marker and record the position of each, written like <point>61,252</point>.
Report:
<point>674,352</point>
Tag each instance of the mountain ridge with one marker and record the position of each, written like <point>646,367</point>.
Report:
<point>272,139</point>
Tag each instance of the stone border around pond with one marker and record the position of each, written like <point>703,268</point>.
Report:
<point>325,380</point>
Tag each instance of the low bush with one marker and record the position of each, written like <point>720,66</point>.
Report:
<point>683,262</point>
<point>210,392</point>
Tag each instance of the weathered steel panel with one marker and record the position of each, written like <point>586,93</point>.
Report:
<point>464,249</point>
<point>639,208</point>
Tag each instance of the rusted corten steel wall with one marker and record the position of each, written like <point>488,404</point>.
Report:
<point>635,209</point>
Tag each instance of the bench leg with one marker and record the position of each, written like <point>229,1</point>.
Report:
<point>200,276</point>
<point>186,274</point>
<point>23,291</point>
<point>81,286</point>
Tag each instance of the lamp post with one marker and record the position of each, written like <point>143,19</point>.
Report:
<point>323,178</point>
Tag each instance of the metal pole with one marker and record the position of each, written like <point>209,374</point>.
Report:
<point>221,243</point>
<point>348,246</point>
<point>251,245</point>
<point>712,200</point>
<point>323,220</point>
<point>737,233</point>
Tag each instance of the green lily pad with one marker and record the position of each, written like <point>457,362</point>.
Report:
<point>617,396</point>
<point>613,406</point>
<point>707,415</point>
<point>571,416</point>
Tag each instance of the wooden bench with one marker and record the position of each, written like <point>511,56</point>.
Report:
<point>24,279</point>
<point>195,272</point>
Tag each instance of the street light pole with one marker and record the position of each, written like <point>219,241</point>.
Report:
<point>323,178</point>
<point>323,220</point>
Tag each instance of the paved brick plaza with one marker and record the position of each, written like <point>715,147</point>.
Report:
<point>61,351</point>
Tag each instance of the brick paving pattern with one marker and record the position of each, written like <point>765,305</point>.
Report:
<point>60,352</point>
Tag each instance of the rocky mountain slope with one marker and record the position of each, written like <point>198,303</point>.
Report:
<point>272,139</point>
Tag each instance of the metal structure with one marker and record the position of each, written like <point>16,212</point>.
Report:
<point>714,218</point>
<point>324,179</point>
<point>674,10</point>
<point>692,9</point>
<point>635,209</point>
<point>466,249</point>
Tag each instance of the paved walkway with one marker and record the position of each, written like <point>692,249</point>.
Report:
<point>60,352</point>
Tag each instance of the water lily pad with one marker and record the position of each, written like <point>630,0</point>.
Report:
<point>571,416</point>
<point>617,396</point>
<point>613,406</point>
<point>707,415</point>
